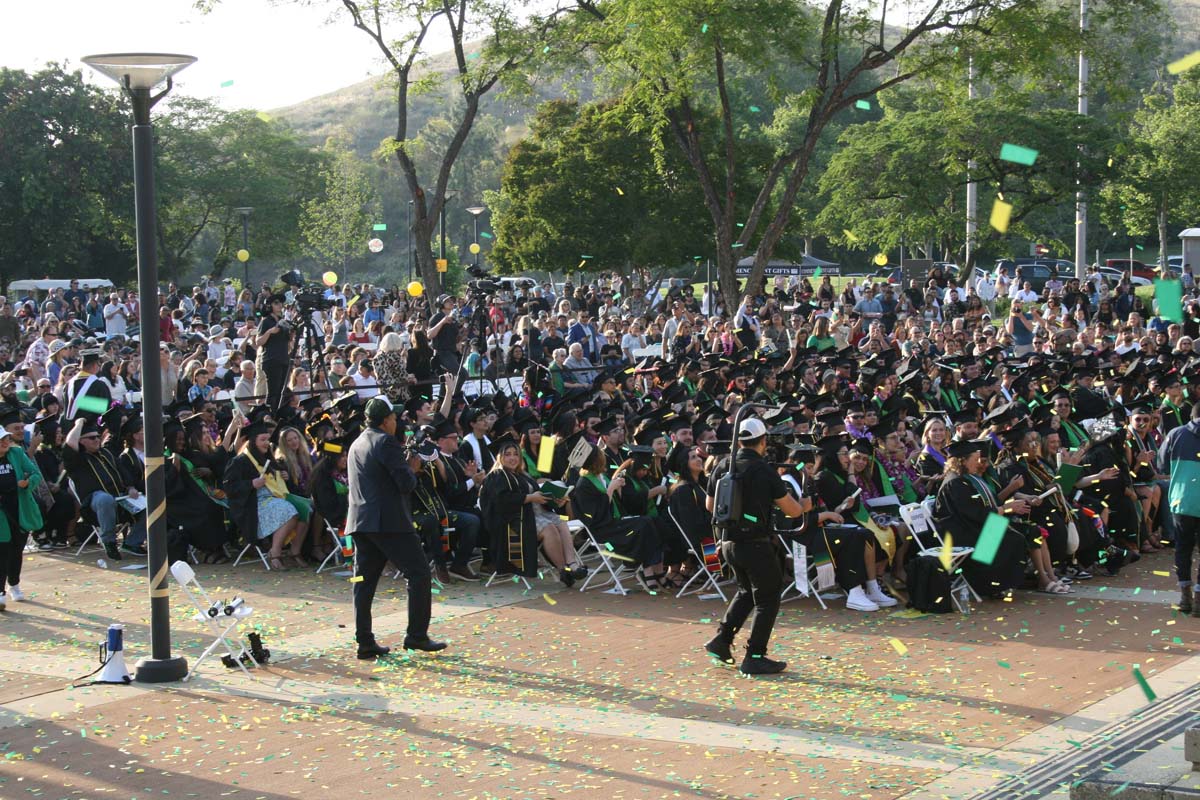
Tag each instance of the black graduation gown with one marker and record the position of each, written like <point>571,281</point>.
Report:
<point>1124,514</point>
<point>513,529</point>
<point>1047,515</point>
<point>635,502</point>
<point>192,512</point>
<point>961,512</point>
<point>686,503</point>
<point>328,502</point>
<point>242,497</point>
<point>845,545</point>
<point>928,466</point>
<point>631,536</point>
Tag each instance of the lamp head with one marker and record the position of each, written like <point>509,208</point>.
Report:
<point>476,210</point>
<point>139,70</point>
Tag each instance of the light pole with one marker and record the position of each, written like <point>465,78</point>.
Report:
<point>138,74</point>
<point>475,211</point>
<point>245,211</point>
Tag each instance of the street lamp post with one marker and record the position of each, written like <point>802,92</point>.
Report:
<point>475,211</point>
<point>138,74</point>
<point>245,211</point>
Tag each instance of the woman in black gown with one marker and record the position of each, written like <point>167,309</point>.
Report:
<point>595,502</point>
<point>964,503</point>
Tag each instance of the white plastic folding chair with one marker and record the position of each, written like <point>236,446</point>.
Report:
<point>335,555</point>
<point>95,534</point>
<point>257,551</point>
<point>705,577</point>
<point>613,567</point>
<point>805,580</point>
<point>919,519</point>
<point>220,625</point>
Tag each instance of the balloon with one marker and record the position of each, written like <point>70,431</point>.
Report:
<point>415,289</point>
<point>474,248</point>
<point>375,245</point>
<point>243,256</point>
<point>881,259</point>
<point>329,279</point>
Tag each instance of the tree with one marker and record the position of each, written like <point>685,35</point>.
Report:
<point>901,180</point>
<point>210,161</point>
<point>584,183</point>
<point>784,70</point>
<point>1157,167</point>
<point>66,198</point>
<point>336,224</point>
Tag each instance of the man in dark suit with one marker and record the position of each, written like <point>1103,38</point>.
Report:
<point>380,521</point>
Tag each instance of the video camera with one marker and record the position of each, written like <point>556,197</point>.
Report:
<point>309,297</point>
<point>483,283</point>
<point>422,444</point>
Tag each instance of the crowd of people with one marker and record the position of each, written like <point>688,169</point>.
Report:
<point>614,404</point>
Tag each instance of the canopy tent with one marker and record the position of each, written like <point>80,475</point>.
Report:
<point>807,266</point>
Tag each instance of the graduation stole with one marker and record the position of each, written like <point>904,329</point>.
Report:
<point>530,465</point>
<point>689,386</point>
<point>860,516</point>
<point>204,487</point>
<point>906,494</point>
<point>599,482</point>
<point>1075,435</point>
<point>513,534</point>
<point>1171,408</point>
<point>985,492</point>
<point>950,398</point>
<point>651,508</point>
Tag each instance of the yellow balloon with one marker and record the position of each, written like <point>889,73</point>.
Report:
<point>415,289</point>
<point>329,279</point>
<point>243,255</point>
<point>881,259</point>
<point>474,248</point>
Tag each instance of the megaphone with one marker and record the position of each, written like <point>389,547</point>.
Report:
<point>113,656</point>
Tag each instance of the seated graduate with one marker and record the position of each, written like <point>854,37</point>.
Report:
<point>640,497</point>
<point>851,548</point>
<point>195,510</point>
<point>687,502</point>
<point>931,461</point>
<point>522,515</point>
<point>328,480</point>
<point>964,502</point>
<point>595,502</point>
<point>1112,499</point>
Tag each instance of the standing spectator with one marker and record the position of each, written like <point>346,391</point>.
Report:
<point>116,316</point>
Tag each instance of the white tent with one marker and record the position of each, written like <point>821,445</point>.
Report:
<point>49,285</point>
<point>806,266</point>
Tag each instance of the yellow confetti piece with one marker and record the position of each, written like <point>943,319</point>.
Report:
<point>850,235</point>
<point>549,599</point>
<point>898,646</point>
<point>1001,215</point>
<point>620,192</point>
<point>1162,574</point>
<point>356,579</point>
<point>1184,64</point>
<point>947,554</point>
<point>582,264</point>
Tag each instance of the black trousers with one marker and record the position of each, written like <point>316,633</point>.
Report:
<point>11,556</point>
<point>1186,529</point>
<point>372,552</point>
<point>276,374</point>
<point>755,564</point>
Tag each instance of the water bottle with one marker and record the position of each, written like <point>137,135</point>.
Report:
<point>964,596</point>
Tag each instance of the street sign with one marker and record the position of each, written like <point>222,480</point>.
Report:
<point>442,265</point>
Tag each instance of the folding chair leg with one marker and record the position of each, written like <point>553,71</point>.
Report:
<point>95,534</point>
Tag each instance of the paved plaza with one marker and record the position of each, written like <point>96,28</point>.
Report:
<point>552,693</point>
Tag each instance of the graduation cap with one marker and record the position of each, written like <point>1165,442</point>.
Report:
<point>443,428</point>
<point>886,426</point>
<point>803,453</point>
<point>132,425</point>
<point>580,450</point>
<point>862,446</point>
<point>677,423</point>
<point>498,446</point>
<point>642,455</point>
<point>1016,433</point>
<point>503,424</point>
<point>999,414</point>
<point>675,393</point>
<point>963,415</point>
<point>830,445</point>
<point>961,448</point>
<point>1146,404</point>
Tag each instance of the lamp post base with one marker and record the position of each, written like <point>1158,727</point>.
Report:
<point>161,670</point>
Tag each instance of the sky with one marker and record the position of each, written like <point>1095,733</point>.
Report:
<point>275,54</point>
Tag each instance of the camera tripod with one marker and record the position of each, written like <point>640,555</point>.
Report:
<point>476,333</point>
<point>312,345</point>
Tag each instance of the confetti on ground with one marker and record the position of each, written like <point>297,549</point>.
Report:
<point>898,646</point>
<point>1162,573</point>
<point>549,599</point>
<point>1018,154</point>
<point>619,192</point>
<point>1003,664</point>
<point>356,579</point>
<point>1001,215</point>
<point>1184,64</point>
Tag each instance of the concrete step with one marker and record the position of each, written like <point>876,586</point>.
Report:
<point>1161,773</point>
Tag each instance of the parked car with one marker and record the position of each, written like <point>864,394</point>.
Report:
<point>1140,269</point>
<point>1115,276</point>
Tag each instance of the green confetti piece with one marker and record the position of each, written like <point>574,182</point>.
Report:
<point>817,273</point>
<point>752,519</point>
<point>1121,788</point>
<point>379,226</point>
<point>1003,663</point>
<point>226,84</point>
<point>92,405</point>
<point>899,698</point>
<point>737,244</point>
<point>608,546</point>
<point>863,105</point>
<point>1139,247</point>
<point>1018,154</point>
<point>704,28</point>
<point>1170,299</point>
<point>989,539</point>
<point>706,620</point>
<point>755,109</point>
<point>585,258</point>
<point>1142,682</point>
<point>485,235</point>
<point>83,732</point>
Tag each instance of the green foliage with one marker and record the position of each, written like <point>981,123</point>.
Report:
<point>583,183</point>
<point>337,224</point>
<point>66,199</point>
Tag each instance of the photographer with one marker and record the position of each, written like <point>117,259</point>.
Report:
<point>272,344</point>
<point>748,547</point>
<point>443,331</point>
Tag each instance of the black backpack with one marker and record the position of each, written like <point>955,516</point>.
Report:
<point>928,585</point>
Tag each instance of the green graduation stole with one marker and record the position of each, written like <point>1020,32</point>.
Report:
<point>950,398</point>
<point>689,386</point>
<point>603,487</point>
<point>530,465</point>
<point>1075,435</point>
<point>906,494</point>
<point>652,508</point>
<point>860,516</point>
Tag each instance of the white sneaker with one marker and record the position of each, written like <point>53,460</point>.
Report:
<point>15,594</point>
<point>878,597</point>
<point>858,601</point>
<point>3,601</point>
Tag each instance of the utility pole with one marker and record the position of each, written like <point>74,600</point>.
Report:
<point>1080,198</point>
